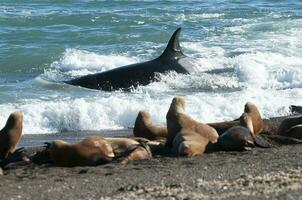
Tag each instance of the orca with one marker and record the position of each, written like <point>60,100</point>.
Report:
<point>129,76</point>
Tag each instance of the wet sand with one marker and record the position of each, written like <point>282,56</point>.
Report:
<point>274,173</point>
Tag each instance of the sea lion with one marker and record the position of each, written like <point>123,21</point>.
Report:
<point>250,110</point>
<point>11,134</point>
<point>189,143</point>
<point>289,123</point>
<point>185,135</point>
<point>126,149</point>
<point>177,108</point>
<point>145,128</point>
<point>294,132</point>
<point>239,138</point>
<point>91,151</point>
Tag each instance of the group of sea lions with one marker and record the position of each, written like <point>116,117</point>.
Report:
<point>182,136</point>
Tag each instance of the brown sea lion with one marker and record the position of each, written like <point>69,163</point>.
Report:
<point>250,110</point>
<point>145,128</point>
<point>176,110</point>
<point>11,134</point>
<point>91,151</point>
<point>289,123</point>
<point>126,149</point>
<point>189,143</point>
<point>185,135</point>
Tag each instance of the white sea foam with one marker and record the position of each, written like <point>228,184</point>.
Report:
<point>119,110</point>
<point>80,62</point>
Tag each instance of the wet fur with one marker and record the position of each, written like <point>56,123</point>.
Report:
<point>185,135</point>
<point>11,134</point>
<point>145,128</point>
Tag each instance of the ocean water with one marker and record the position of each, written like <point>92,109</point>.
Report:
<point>242,51</point>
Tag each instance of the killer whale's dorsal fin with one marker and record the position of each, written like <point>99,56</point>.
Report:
<point>173,47</point>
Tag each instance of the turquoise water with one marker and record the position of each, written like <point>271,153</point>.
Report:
<point>255,45</point>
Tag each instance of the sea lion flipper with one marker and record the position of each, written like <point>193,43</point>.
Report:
<point>259,142</point>
<point>283,139</point>
<point>18,155</point>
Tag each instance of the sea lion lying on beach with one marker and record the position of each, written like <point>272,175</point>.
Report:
<point>291,127</point>
<point>250,110</point>
<point>11,134</point>
<point>145,128</point>
<point>186,136</point>
<point>239,138</point>
<point>126,149</point>
<point>94,150</point>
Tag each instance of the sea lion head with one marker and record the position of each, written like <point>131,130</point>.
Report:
<point>145,128</point>
<point>11,134</point>
<point>143,119</point>
<point>246,121</point>
<point>14,122</point>
<point>178,105</point>
<point>252,110</point>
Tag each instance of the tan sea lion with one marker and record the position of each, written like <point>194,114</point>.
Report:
<point>91,151</point>
<point>185,135</point>
<point>250,110</point>
<point>126,149</point>
<point>11,134</point>
<point>145,128</point>
<point>177,108</point>
<point>289,123</point>
<point>189,143</point>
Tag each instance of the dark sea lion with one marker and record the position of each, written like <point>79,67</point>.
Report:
<point>11,134</point>
<point>294,132</point>
<point>130,76</point>
<point>126,149</point>
<point>250,110</point>
<point>91,151</point>
<point>289,123</point>
<point>145,128</point>
<point>239,138</point>
<point>185,135</point>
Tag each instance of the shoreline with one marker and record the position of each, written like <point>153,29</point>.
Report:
<point>273,173</point>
